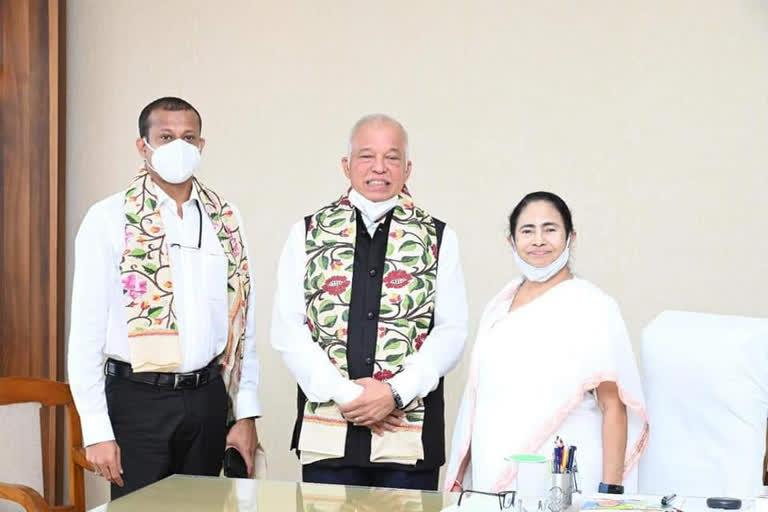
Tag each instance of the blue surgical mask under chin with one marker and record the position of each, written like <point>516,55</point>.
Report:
<point>541,274</point>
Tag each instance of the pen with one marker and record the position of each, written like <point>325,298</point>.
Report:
<point>667,500</point>
<point>571,459</point>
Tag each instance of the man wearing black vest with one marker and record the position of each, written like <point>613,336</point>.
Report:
<point>370,313</point>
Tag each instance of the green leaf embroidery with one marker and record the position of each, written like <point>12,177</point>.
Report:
<point>337,222</point>
<point>416,284</point>
<point>395,359</point>
<point>340,353</point>
<point>139,253</point>
<point>326,305</point>
<point>401,322</point>
<point>384,309</point>
<point>392,344</point>
<point>410,244</point>
<point>154,312</point>
<point>346,255</point>
<point>407,302</point>
<point>133,218</point>
<point>390,249</point>
<point>324,262</point>
<point>409,259</point>
<point>150,203</point>
<point>414,417</point>
<point>423,323</point>
<point>330,321</point>
<point>345,315</point>
<point>150,268</point>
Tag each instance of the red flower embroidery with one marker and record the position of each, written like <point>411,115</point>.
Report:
<point>434,250</point>
<point>397,279</point>
<point>383,375</point>
<point>382,331</point>
<point>336,264</point>
<point>344,201</point>
<point>398,233</point>
<point>344,233</point>
<point>310,325</point>
<point>419,340</point>
<point>336,285</point>
<point>311,226</point>
<point>395,299</point>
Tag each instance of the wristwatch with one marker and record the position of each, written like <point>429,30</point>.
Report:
<point>396,396</point>
<point>610,488</point>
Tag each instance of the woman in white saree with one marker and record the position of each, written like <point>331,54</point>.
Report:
<point>552,358</point>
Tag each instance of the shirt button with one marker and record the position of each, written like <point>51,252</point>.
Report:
<point>368,361</point>
<point>372,272</point>
<point>370,315</point>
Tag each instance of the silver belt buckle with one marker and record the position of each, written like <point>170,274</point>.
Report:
<point>181,375</point>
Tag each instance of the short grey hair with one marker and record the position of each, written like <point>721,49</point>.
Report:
<point>371,118</point>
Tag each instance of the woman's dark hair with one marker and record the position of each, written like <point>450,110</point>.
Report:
<point>551,198</point>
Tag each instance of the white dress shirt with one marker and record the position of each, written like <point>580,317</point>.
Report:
<point>309,364</point>
<point>99,328</point>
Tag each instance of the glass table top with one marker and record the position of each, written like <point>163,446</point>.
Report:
<point>194,493</point>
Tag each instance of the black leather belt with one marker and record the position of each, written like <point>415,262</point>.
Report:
<point>189,380</point>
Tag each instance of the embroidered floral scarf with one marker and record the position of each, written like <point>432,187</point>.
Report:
<point>405,315</point>
<point>153,331</point>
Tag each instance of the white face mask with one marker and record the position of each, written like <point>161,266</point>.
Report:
<point>372,211</point>
<point>541,274</point>
<point>176,161</point>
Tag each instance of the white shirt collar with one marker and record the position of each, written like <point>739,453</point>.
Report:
<point>162,197</point>
<point>373,212</point>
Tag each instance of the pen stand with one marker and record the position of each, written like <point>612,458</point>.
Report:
<point>561,492</point>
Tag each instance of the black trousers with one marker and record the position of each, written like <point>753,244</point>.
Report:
<point>372,477</point>
<point>163,431</point>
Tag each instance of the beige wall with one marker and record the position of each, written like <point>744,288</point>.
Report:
<point>649,117</point>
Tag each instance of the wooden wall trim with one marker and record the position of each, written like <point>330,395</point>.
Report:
<point>32,205</point>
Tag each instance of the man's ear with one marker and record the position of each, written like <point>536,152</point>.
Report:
<point>202,144</point>
<point>141,146</point>
<point>345,166</point>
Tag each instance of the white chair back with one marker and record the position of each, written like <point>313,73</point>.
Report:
<point>705,379</point>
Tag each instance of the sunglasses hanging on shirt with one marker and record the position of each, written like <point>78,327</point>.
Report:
<point>199,232</point>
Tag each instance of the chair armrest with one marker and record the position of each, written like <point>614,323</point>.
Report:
<point>78,455</point>
<point>25,496</point>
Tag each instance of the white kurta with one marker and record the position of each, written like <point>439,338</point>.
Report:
<point>531,378</point>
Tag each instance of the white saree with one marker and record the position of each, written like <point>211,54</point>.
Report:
<point>531,378</point>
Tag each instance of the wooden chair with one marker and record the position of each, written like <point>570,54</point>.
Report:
<point>15,390</point>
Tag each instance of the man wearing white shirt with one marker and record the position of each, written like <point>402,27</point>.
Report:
<point>161,353</point>
<point>370,313</point>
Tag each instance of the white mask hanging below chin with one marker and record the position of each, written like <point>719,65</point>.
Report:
<point>176,161</point>
<point>541,274</point>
